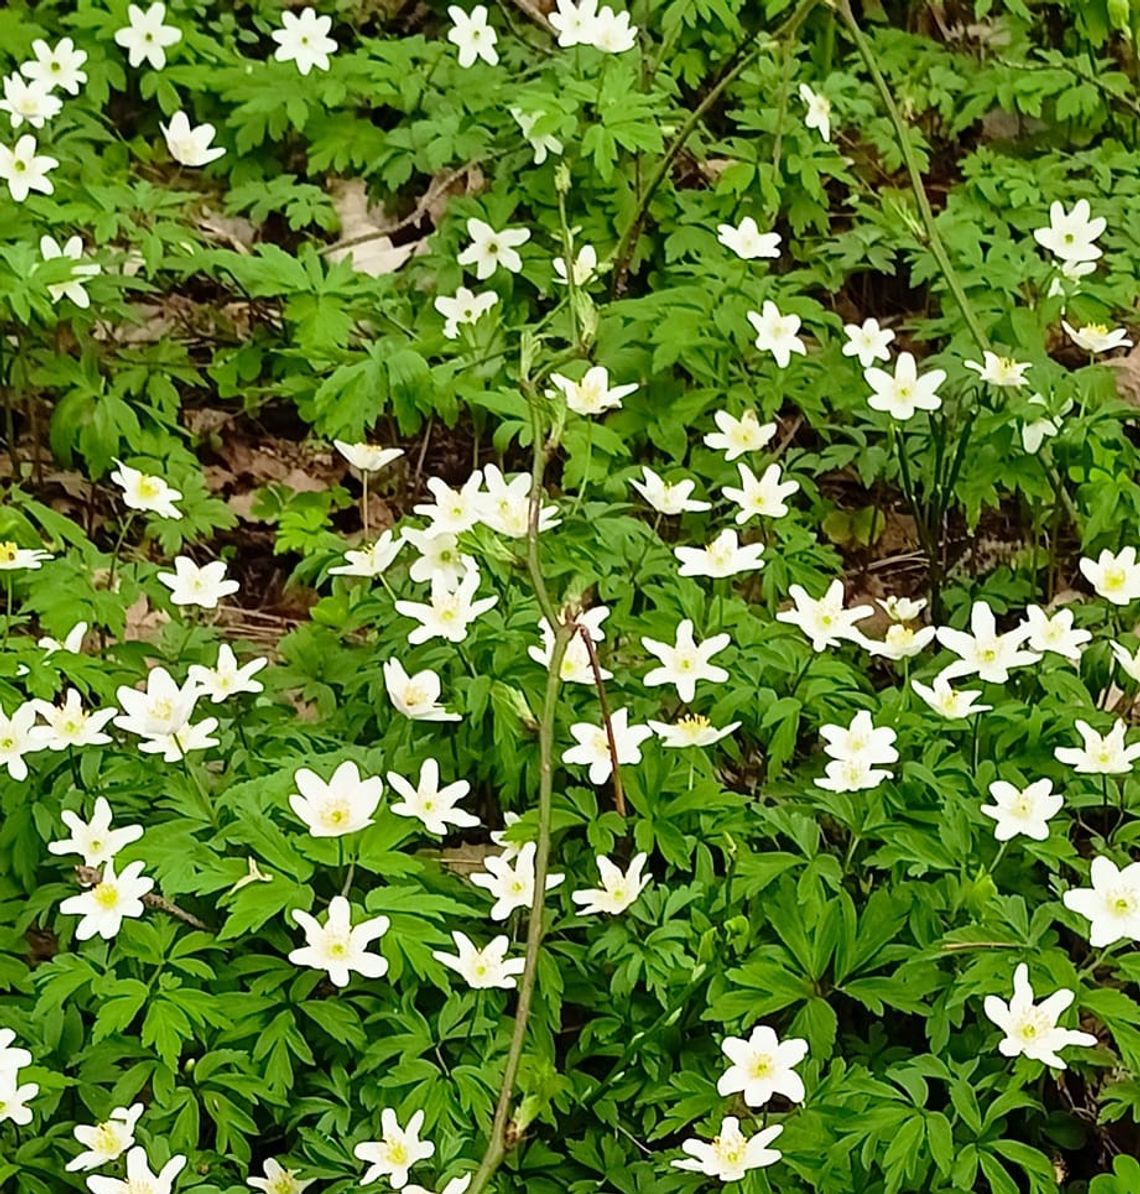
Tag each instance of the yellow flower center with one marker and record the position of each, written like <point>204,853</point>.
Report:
<point>106,895</point>
<point>8,552</point>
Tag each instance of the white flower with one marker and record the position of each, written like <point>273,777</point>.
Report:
<point>73,287</point>
<point>1111,905</point>
<point>906,391</point>
<point>776,333</point>
<point>146,38</point>
<point>164,707</point>
<point>1055,633</point>
<point>731,1154</point>
<point>450,611</point>
<point>584,268</point>
<point>577,667</point>
<point>951,704</point>
<point>613,33</point>
<point>490,249</point>
<point>899,642</point>
<point>474,38</point>
<point>668,497</point>
<point>439,556</point>
<point>724,556</point>
<point>902,609</point>
<point>464,307</point>
<point>372,560</point>
<point>593,748</point>
<point>1097,337</point>
<point>818,114</point>
<point>19,736</point>
<point>304,39</point>
<point>143,491</point>
<point>543,143</point>
<point>762,1066</point>
<point>13,558</point>
<point>457,1185</point>
<point>338,946</point>
<point>368,458</point>
<point>747,241</point>
<point>483,968</point>
<point>510,850</point>
<point>868,342</point>
<point>12,1057</point>
<point>619,888</point>
<point>60,67</point>
<point>984,652</point>
<point>104,905</point>
<point>593,394</point>
<point>454,510</point>
<point>575,24</point>
<point>1129,662</point>
<point>29,100</point>
<point>852,775</point>
<point>226,678</point>
<point>1098,754</point>
<point>505,507</point>
<point>95,840</point>
<point>190,145</point>
<point>1022,810</point>
<point>429,803</point>
<point>737,436</point>
<point>1003,372</point>
<point>686,662</point>
<point>763,496</point>
<point>824,621</point>
<point>203,586</point>
<point>72,643</point>
<point>1035,431</point>
<point>107,1141</point>
<point>397,1152</point>
<point>862,740</point>
<point>511,881</point>
<point>278,1179</point>
<point>345,804</point>
<point>25,170</point>
<point>1114,577</point>
<point>140,1179</point>
<point>1071,235</point>
<point>1032,1029</point>
<point>416,697</point>
<point>693,730</point>
<point>68,724</point>
<point>13,1098</point>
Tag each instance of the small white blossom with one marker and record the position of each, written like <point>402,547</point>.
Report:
<point>278,1180</point>
<point>416,697</point>
<point>338,946</point>
<point>464,307</point>
<point>541,144</point>
<point>747,241</point>
<point>304,39</point>
<point>1097,337</point>
<point>19,736</point>
<point>763,1066</point>
<point>344,804</point>
<point>95,840</point>
<point>668,497</point>
<point>693,730</point>
<point>764,495</point>
<point>1115,577</point>
<point>29,100</point>
<point>25,170</point>
<point>473,37</point>
<point>146,492</point>
<point>724,556</point>
<point>1023,811</point>
<point>190,145</point>
<point>825,621</point>
<point>483,968</point>
<point>619,888</point>
<point>450,611</point>
<point>593,394</point>
<point>686,661</point>
<point>1071,236</point>
<point>511,880</point>
<point>982,650</point>
<point>454,510</point>
<point>202,586</point>
<point>1111,905</point>
<point>226,678</point>
<point>397,1152</point>
<point>61,67</point>
<point>1055,633</point>
<point>1098,754</point>
<point>1031,1030</point>
<point>731,1154</point>
<point>74,288</point>
<point>950,703</point>
<point>776,333</point>
<point>867,341</point>
<point>429,803</point>
<point>999,371</point>
<point>104,905</point>
<point>905,391</point>
<point>146,38</point>
<point>592,747</point>
<point>737,436</point>
<point>818,114</point>
<point>107,1141</point>
<point>490,249</point>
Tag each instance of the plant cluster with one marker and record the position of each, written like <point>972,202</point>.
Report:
<point>570,597</point>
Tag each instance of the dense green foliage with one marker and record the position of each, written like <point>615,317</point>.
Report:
<point>223,332</point>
